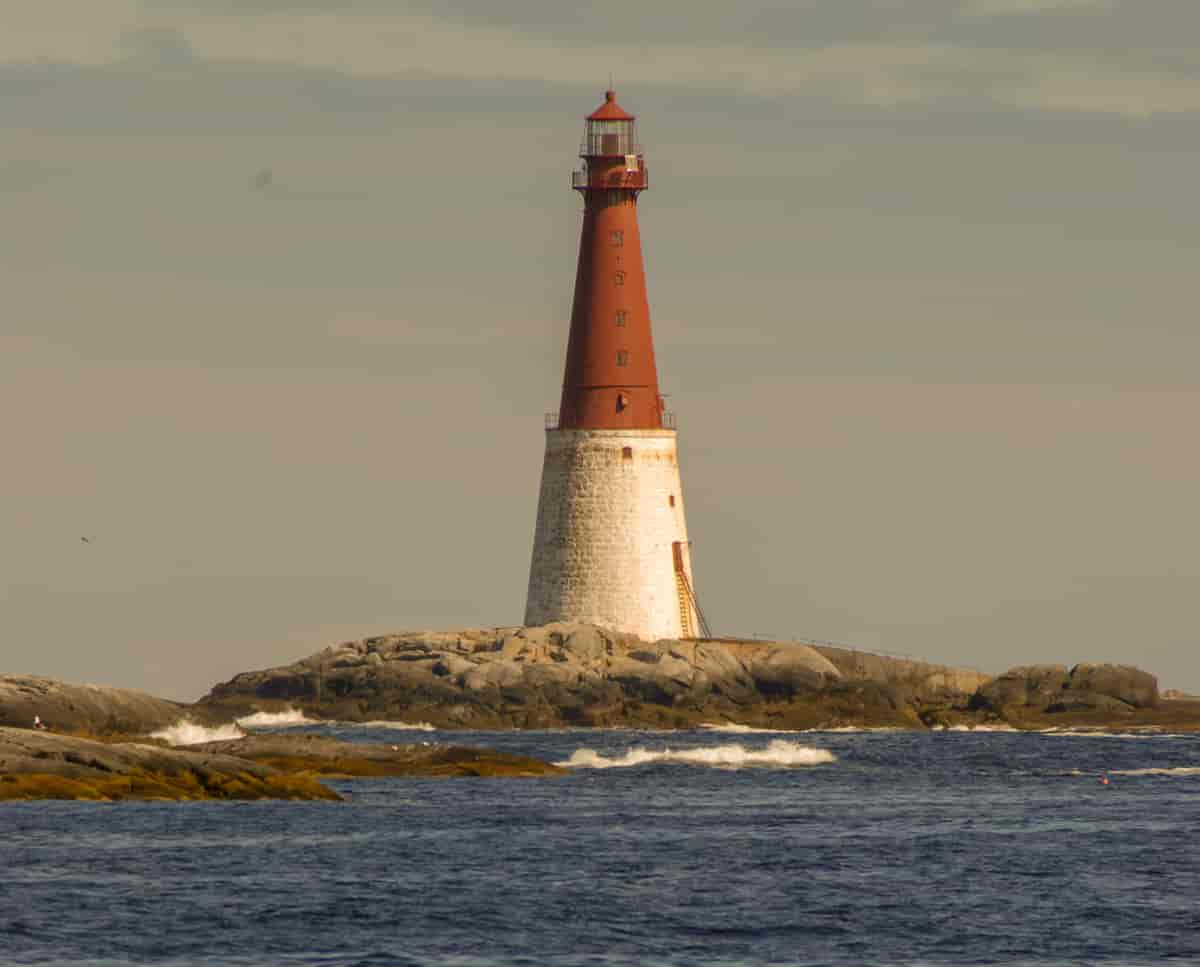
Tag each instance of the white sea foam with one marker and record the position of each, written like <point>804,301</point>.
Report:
<point>268,720</point>
<point>779,753</point>
<point>184,732</point>
<point>981,728</point>
<point>739,729</point>
<point>398,726</point>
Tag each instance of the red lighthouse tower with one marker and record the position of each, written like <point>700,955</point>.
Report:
<point>610,546</point>
<point>611,381</point>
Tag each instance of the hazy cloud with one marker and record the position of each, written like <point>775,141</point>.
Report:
<point>1002,7</point>
<point>162,45</point>
<point>1057,56</point>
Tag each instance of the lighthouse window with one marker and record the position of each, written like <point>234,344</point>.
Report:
<point>620,280</point>
<point>618,239</point>
<point>622,357</point>
<point>626,453</point>
<point>671,500</point>
<point>621,317</point>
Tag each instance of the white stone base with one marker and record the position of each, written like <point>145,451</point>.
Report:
<point>610,510</point>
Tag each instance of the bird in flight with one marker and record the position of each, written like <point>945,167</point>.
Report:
<point>86,540</point>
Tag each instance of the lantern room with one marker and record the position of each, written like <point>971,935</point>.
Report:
<point>611,155</point>
<point>611,131</point>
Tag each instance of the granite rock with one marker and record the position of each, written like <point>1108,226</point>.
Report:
<point>1051,689</point>
<point>569,674</point>
<point>39,765</point>
<point>326,756</point>
<point>97,709</point>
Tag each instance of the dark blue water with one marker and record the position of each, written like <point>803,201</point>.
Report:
<point>910,848</point>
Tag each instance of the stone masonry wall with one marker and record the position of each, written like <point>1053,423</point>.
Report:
<point>602,547</point>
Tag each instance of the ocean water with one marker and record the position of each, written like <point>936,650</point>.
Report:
<point>698,847</point>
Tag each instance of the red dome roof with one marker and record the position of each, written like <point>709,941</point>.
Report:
<point>610,110</point>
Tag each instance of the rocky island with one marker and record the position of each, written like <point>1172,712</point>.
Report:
<point>580,675</point>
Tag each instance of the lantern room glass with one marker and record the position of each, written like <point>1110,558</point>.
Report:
<point>610,139</point>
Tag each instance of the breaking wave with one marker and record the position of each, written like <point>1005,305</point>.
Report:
<point>268,720</point>
<point>190,733</point>
<point>398,726</point>
<point>739,729</point>
<point>780,753</point>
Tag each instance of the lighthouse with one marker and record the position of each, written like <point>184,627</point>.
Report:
<point>610,544</point>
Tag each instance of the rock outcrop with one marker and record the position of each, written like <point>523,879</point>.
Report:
<point>94,709</point>
<point>44,765</point>
<point>300,752</point>
<point>1040,690</point>
<point>568,674</point>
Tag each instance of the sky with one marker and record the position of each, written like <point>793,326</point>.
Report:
<point>287,285</point>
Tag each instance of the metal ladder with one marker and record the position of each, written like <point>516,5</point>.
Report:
<point>687,598</point>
